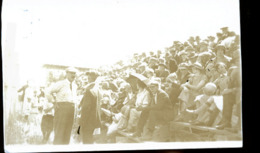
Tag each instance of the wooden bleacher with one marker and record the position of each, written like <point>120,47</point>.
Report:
<point>129,136</point>
<point>205,132</point>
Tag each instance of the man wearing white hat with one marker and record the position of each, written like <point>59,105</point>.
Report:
<point>64,93</point>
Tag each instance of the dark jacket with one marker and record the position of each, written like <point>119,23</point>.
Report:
<point>89,118</point>
<point>163,105</point>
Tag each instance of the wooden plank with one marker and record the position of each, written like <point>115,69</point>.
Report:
<point>202,128</point>
<point>129,136</point>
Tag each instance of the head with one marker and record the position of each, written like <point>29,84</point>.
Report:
<point>105,85</point>
<point>71,73</point>
<point>236,54</point>
<point>220,50</point>
<point>171,78</point>
<point>221,67</point>
<point>149,72</point>
<point>161,67</point>
<point>203,47</point>
<point>197,68</point>
<point>92,76</point>
<point>209,89</point>
<point>154,86</point>
<point>142,67</point>
<point>183,68</point>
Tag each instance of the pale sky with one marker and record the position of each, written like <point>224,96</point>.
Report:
<point>91,33</point>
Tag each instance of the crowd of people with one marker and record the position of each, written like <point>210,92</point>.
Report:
<point>181,84</point>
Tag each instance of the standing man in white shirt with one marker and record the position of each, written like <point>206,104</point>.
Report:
<point>64,93</point>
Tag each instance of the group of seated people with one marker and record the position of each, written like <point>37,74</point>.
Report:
<point>186,83</point>
<point>181,84</point>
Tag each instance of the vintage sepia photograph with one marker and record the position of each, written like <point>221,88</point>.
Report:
<point>98,75</point>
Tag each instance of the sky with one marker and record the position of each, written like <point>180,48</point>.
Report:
<point>92,33</point>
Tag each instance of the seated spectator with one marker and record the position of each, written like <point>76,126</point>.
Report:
<point>184,57</point>
<point>159,112</point>
<point>153,63</point>
<point>205,106</point>
<point>220,56</point>
<point>172,63</point>
<point>211,72</point>
<point>142,68</point>
<point>192,88</point>
<point>162,71</point>
<point>183,73</point>
<point>143,99</point>
<point>222,81</point>
<point>149,73</point>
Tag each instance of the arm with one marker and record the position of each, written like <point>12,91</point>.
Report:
<point>197,87</point>
<point>51,90</point>
<point>146,101</point>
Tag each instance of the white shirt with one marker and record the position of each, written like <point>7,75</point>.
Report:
<point>142,98</point>
<point>63,91</point>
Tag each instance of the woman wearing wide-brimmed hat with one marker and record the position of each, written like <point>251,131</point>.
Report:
<point>143,99</point>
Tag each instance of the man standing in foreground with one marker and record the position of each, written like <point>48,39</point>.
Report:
<point>64,103</point>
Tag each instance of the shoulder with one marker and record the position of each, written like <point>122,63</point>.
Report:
<point>162,93</point>
<point>90,86</point>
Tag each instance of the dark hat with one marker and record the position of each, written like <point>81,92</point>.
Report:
<point>92,73</point>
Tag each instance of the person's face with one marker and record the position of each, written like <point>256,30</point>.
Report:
<point>203,48</point>
<point>220,52</point>
<point>149,74</point>
<point>71,76</point>
<point>184,57</point>
<point>91,78</point>
<point>221,69</point>
<point>161,68</point>
<point>183,71</point>
<point>142,68</point>
<point>154,88</point>
<point>195,70</point>
<point>167,86</point>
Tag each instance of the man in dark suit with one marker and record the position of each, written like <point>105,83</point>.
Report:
<point>159,112</point>
<point>89,113</point>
